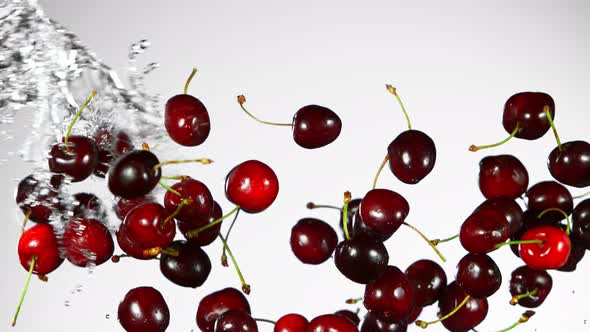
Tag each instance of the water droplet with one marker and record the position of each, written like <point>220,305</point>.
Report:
<point>107,316</point>
<point>67,303</point>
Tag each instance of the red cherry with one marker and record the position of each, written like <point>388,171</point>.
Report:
<point>216,304</point>
<point>313,241</point>
<point>483,229</point>
<point>235,321</point>
<point>512,211</point>
<point>145,226</point>
<point>570,163</point>
<point>87,241</point>
<point>412,155</point>
<point>252,185</point>
<point>478,275</point>
<point>200,200</point>
<point>207,236</point>
<point>528,110</point>
<point>428,279</point>
<point>122,205</point>
<point>350,315</point>
<point>88,206</point>
<point>502,176</point>
<point>468,316</point>
<point>331,323</point>
<point>40,242</point>
<point>390,296</point>
<point>189,268</point>
<point>291,323</point>
<point>144,309</point>
<point>374,323</point>
<point>383,211</point>
<point>553,251</point>
<point>77,159</point>
<point>315,126</point>
<point>134,174</point>
<point>550,194</point>
<point>109,148</point>
<point>187,120</point>
<point>37,198</point>
<point>129,246</point>
<point>535,284</point>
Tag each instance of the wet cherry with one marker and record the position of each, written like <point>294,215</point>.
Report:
<point>391,295</point>
<point>550,251</point>
<point>550,194</point>
<point>87,242</point>
<point>41,243</point>
<point>145,226</point>
<point>134,174</point>
<point>252,185</point>
<point>291,323</point>
<point>235,321</point>
<point>37,198</point>
<point>109,148</point>
<point>217,303</point>
<point>529,287</point>
<point>144,309</point>
<point>481,231</point>
<point>330,323</point>
<point>502,176</point>
<point>478,275</point>
<point>428,279</point>
<point>190,268</point>
<point>88,205</point>
<point>361,259</point>
<point>527,109</point>
<point>313,241</point>
<point>77,158</point>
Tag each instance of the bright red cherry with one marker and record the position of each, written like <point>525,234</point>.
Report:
<point>134,174</point>
<point>391,295</point>
<point>361,259</point>
<point>37,198</point>
<point>552,250</point>
<point>77,158</point>
<point>145,226</point>
<point>550,194</point>
<point>478,275</point>
<point>87,242</point>
<point>186,118</point>
<point>412,155</point>
<point>313,241</point>
<point>235,321</point>
<point>291,323</point>
<point>144,309</point>
<point>374,323</point>
<point>468,316</point>
<point>527,109</point>
<point>383,211</point>
<point>200,200</point>
<point>252,185</point>
<point>502,176</point>
<point>481,231</point>
<point>428,279</point>
<point>190,268</point>
<point>569,163</point>
<point>581,223</point>
<point>331,323</point>
<point>216,304</point>
<point>207,236</point>
<point>41,243</point>
<point>529,287</point>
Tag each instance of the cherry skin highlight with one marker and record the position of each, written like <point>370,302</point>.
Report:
<point>235,321</point>
<point>359,229</point>
<point>39,241</point>
<point>552,253</point>
<point>87,242</point>
<point>361,259</point>
<point>383,211</point>
<point>330,323</point>
<point>134,174</point>
<point>527,109</point>
<point>571,164</point>
<point>186,120</point>
<point>428,279</point>
<point>190,268</point>
<point>484,229</point>
<point>252,185</point>
<point>502,176</point>
<point>411,155</point>
<point>216,304</point>
<point>550,194</point>
<point>145,226</point>
<point>201,200</point>
<point>291,323</point>
<point>524,280</point>
<point>144,309</point>
<point>390,296</point>
<point>466,318</point>
<point>77,159</point>
<point>313,241</point>
<point>478,275</point>
<point>315,126</point>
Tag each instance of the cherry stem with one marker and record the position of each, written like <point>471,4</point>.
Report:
<point>437,241</point>
<point>151,252</point>
<point>170,189</point>
<point>567,218</point>
<point>242,100</point>
<point>22,297</point>
<point>245,287</point>
<point>393,91</point>
<point>77,115</point>
<point>354,301</point>
<point>203,161</point>
<point>537,241</point>
<point>189,79</point>
<point>145,147</point>
<point>550,119</point>
<point>516,298</point>
<point>231,226</point>
<point>175,177</point>
<point>424,324</point>
<point>474,148</point>
<point>312,205</point>
<point>264,320</point>
<point>427,241</point>
<point>347,198</point>
<point>117,258</point>
<point>523,319</point>
<point>195,232</point>
<point>27,216</point>
<point>182,204</point>
<point>581,196</point>
<point>379,170</point>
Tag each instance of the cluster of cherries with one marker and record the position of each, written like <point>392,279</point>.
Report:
<point>75,227</point>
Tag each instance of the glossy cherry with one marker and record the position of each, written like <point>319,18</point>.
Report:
<point>40,242</point>
<point>411,156</point>
<point>350,315</point>
<point>199,206</point>
<point>38,197</point>
<point>535,283</point>
<point>291,323</point>
<point>331,323</point>
<point>361,259</point>
<point>134,174</point>
<point>88,205</point>
<point>570,163</point>
<point>207,236</point>
<point>502,176</point>
<point>145,226</point>
<point>383,211</point>
<point>315,126</point>
<point>359,229</point>
<point>190,268</point>
<point>216,304</point>
<point>374,323</point>
<point>252,185</point>
<point>235,321</point>
<point>512,211</point>
<point>550,194</point>
<point>483,229</point>
<point>527,109</point>
<point>144,309</point>
<point>469,316</point>
<point>77,158</point>
<point>581,224</point>
<point>130,247</point>
<point>478,275</point>
<point>390,296</point>
<point>87,242</point>
<point>122,205</point>
<point>428,279</point>
<point>553,251</point>
<point>313,241</point>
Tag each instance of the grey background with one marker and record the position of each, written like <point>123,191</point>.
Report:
<point>454,64</point>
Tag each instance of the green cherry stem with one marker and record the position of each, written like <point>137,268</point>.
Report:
<point>189,79</point>
<point>437,241</point>
<point>175,177</point>
<point>77,115</point>
<point>195,232</point>
<point>550,119</point>
<point>354,300</point>
<point>245,287</point>
<point>231,226</point>
<point>242,101</point>
<point>203,161</point>
<point>393,91</point>
<point>168,188</point>
<point>474,148</point>
<point>22,297</point>
<point>498,245</point>
<point>27,216</point>
<point>567,218</point>
<point>427,241</point>
<point>516,298</point>
<point>424,324</point>
<point>379,171</point>
<point>347,198</point>
<point>182,204</point>
<point>523,319</point>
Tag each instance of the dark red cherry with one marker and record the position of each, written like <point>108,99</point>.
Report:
<point>201,200</point>
<point>315,126</point>
<point>414,314</point>
<point>483,229</point>
<point>469,316</point>
<point>190,268</point>
<point>252,185</point>
<point>145,226</point>
<point>512,211</point>
<point>40,242</point>
<point>38,197</point>
<point>550,194</point>
<point>390,296</point>
<point>537,283</point>
<point>353,207</point>
<point>134,174</point>
<point>144,309</point>
<point>502,176</point>
<point>87,242</point>
<point>528,110</point>
<point>331,323</point>
<point>130,247</point>
<point>207,236</point>
<point>235,321</point>
<point>576,255</point>
<point>291,323</point>
<point>77,159</point>
<point>216,304</point>
<point>571,164</point>
<point>187,120</point>
<point>359,229</point>
<point>428,279</point>
<point>374,323</point>
<point>350,315</point>
<point>88,205</point>
<point>581,224</point>
<point>110,147</point>
<point>361,259</point>
<point>122,205</point>
<point>478,275</point>
<point>383,211</point>
<point>313,241</point>
<point>553,251</point>
<point>412,155</point>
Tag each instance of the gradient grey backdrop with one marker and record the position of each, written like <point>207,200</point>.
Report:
<point>454,64</point>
